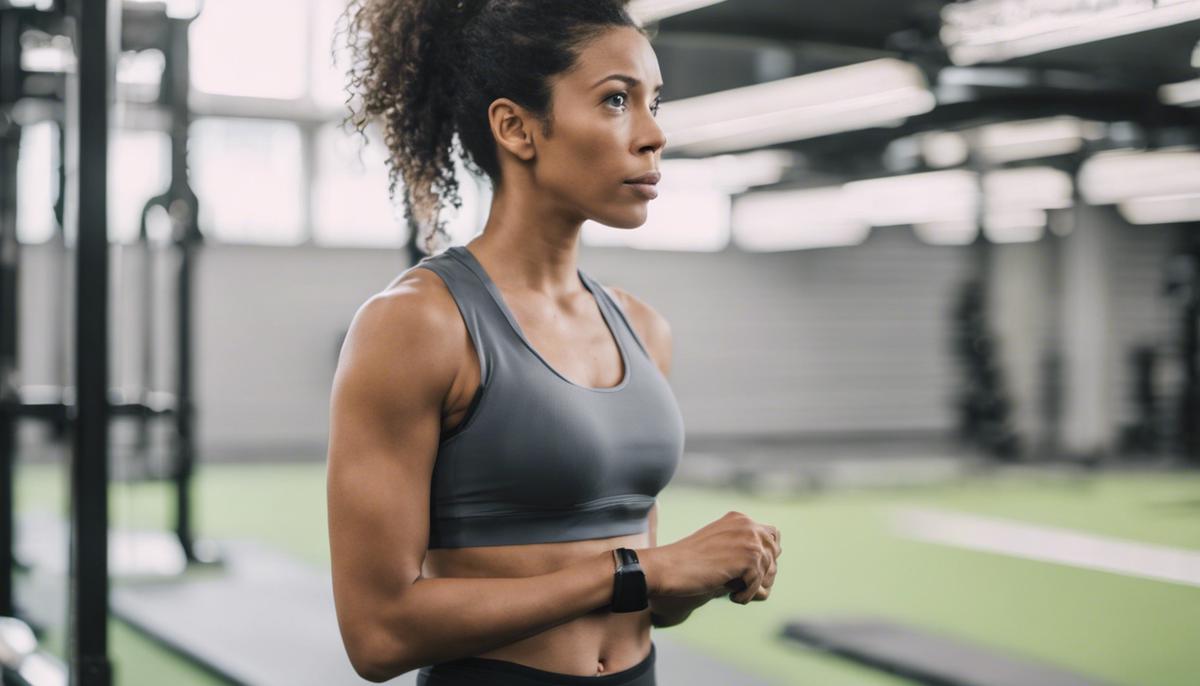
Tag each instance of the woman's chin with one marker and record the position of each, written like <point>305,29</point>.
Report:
<point>630,219</point>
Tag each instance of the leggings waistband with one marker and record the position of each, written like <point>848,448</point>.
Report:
<point>482,670</point>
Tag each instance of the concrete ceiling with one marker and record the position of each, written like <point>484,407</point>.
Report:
<point>742,42</point>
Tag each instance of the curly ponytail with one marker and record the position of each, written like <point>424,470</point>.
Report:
<point>429,69</point>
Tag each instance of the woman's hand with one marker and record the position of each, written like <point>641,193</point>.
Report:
<point>677,607</point>
<point>733,553</point>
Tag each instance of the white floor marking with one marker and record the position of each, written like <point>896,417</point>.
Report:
<point>1049,544</point>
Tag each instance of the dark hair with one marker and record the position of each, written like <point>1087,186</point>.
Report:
<point>429,69</point>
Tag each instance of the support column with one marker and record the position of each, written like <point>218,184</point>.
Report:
<point>1085,313</point>
<point>1021,304</point>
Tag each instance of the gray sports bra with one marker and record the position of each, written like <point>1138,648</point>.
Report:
<point>539,458</point>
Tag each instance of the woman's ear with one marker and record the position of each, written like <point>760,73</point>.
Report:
<point>512,127</point>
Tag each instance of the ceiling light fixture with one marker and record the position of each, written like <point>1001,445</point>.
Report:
<point>796,220</point>
<point>1162,209</point>
<point>1118,175</point>
<point>951,195</point>
<point>947,232</point>
<point>880,92</point>
<point>1184,93</point>
<point>1035,138</point>
<point>646,11</point>
<point>727,173</point>
<point>998,30</point>
<point>1028,188</point>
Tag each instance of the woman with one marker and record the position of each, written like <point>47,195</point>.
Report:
<point>500,422</point>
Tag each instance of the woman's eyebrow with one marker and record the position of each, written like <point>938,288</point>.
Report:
<point>629,80</point>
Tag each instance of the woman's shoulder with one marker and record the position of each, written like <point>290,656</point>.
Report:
<point>649,324</point>
<point>416,297</point>
<point>412,322</point>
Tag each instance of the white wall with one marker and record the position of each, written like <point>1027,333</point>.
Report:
<point>838,341</point>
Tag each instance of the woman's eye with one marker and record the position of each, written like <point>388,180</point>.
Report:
<point>623,97</point>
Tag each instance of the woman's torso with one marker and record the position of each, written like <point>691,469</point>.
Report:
<point>580,347</point>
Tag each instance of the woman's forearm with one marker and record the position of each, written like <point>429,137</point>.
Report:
<point>440,619</point>
<point>666,610</point>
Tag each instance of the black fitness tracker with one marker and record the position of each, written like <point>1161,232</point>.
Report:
<point>629,582</point>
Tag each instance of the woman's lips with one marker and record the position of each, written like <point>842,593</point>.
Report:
<point>648,190</point>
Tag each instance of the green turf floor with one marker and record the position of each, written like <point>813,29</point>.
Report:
<point>841,557</point>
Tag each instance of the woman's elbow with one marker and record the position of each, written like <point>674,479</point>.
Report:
<point>377,657</point>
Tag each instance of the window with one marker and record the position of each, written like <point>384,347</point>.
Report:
<point>251,48</point>
<point>350,198</point>
<point>328,77</point>
<point>248,175</point>
<point>269,158</point>
<point>37,183</point>
<point>139,169</point>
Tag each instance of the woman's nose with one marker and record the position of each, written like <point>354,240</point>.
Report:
<point>654,139</point>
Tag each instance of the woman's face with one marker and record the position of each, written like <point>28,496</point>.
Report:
<point>604,131</point>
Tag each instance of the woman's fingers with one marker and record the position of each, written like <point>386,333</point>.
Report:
<point>762,566</point>
<point>769,581</point>
<point>756,581</point>
<point>752,586</point>
<point>774,539</point>
<point>760,585</point>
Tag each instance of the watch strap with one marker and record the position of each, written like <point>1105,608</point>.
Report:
<point>629,582</point>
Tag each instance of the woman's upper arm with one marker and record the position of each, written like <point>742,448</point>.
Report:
<point>394,371</point>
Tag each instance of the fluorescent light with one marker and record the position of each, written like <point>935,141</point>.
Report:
<point>940,196</point>
<point>53,55</point>
<point>1016,201</point>
<point>796,220</point>
<point>728,173</point>
<point>999,30</point>
<point>1163,209</point>
<point>645,11</point>
<point>1008,226</point>
<point>176,9</point>
<point>679,219</point>
<point>1014,225</point>
<point>692,211</point>
<point>875,93</point>
<point>957,232</point>
<point>1185,93</point>
<point>1118,175</point>
<point>944,148</point>
<point>1028,188</point>
<point>943,208</point>
<point>1035,138</point>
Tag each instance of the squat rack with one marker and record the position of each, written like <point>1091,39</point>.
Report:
<point>79,100</point>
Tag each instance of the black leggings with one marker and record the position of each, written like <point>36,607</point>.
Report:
<point>482,671</point>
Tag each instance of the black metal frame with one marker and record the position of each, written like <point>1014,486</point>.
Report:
<point>96,36</point>
<point>10,143</point>
<point>80,103</point>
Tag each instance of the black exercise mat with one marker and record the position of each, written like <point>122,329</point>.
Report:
<point>928,657</point>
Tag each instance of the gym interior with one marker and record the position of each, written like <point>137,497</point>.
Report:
<point>932,270</point>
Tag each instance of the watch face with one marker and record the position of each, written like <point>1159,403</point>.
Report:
<point>629,557</point>
<point>629,587</point>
